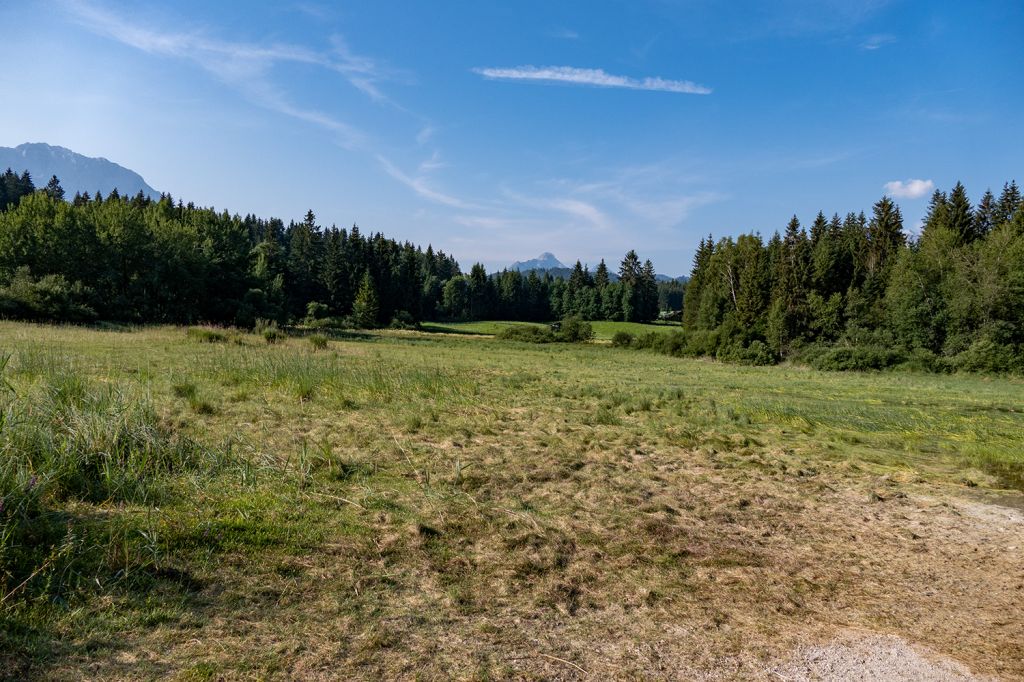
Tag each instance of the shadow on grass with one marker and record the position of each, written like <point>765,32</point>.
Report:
<point>440,328</point>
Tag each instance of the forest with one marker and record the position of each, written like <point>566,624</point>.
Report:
<point>852,292</point>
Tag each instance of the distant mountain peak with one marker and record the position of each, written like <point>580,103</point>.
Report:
<point>545,261</point>
<point>77,173</point>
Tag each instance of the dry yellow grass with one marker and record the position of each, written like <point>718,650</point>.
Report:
<point>412,507</point>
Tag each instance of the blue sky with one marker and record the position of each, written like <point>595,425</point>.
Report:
<point>499,130</point>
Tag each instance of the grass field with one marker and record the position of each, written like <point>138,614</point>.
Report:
<point>416,505</point>
<point>603,329</point>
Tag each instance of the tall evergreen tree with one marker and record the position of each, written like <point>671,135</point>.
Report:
<point>366,308</point>
<point>961,215</point>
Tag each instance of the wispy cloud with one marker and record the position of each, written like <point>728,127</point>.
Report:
<point>418,184</point>
<point>425,134</point>
<point>565,34</point>
<point>243,66</point>
<point>594,77</point>
<point>570,206</point>
<point>877,41</point>
<point>909,189</point>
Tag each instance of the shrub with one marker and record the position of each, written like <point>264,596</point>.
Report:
<point>647,340</point>
<point>673,344</point>
<point>403,320</point>
<point>756,353</point>
<point>528,333</point>
<point>575,330</point>
<point>988,355</point>
<point>318,341</point>
<point>315,311</point>
<point>702,342</point>
<point>48,298</point>
<point>857,358</point>
<point>206,335</point>
<point>622,339</point>
<point>924,360</point>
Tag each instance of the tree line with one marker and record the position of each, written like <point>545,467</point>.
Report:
<point>856,289</point>
<point>859,291</point>
<point>155,260</point>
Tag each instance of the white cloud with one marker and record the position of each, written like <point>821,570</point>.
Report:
<point>565,34</point>
<point>595,77</point>
<point>877,41</point>
<point>419,186</point>
<point>909,189</point>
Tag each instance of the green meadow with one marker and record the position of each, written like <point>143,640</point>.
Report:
<point>192,504</point>
<point>604,330</point>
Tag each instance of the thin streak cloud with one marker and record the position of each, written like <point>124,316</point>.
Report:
<point>420,187</point>
<point>593,77</point>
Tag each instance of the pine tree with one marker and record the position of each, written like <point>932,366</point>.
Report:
<point>961,216</point>
<point>698,275</point>
<point>629,269</point>
<point>647,304</point>
<point>601,278</point>
<point>984,215</point>
<point>885,235</point>
<point>938,212</point>
<point>1009,204</point>
<point>366,306</point>
<point>54,190</point>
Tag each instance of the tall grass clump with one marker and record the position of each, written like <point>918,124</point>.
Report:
<point>318,341</point>
<point>206,335</point>
<point>270,332</point>
<point>65,445</point>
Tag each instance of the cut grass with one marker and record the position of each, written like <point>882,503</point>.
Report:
<point>450,506</point>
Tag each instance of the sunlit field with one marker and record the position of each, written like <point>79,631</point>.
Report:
<point>603,329</point>
<point>403,504</point>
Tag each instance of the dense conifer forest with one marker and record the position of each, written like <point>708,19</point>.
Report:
<point>850,292</point>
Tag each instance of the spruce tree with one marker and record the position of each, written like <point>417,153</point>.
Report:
<point>54,190</point>
<point>601,278</point>
<point>1009,203</point>
<point>938,212</point>
<point>984,214</point>
<point>366,306</point>
<point>961,216</point>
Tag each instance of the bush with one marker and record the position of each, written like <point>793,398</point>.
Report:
<point>575,330</point>
<point>403,320</point>
<point>206,335</point>
<point>924,360</point>
<point>647,340</point>
<point>673,343</point>
<point>527,333</point>
<point>622,339</point>
<point>315,311</point>
<point>988,355</point>
<point>857,358</point>
<point>756,353</point>
<point>48,298</point>
<point>331,323</point>
<point>702,342</point>
<point>318,341</point>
